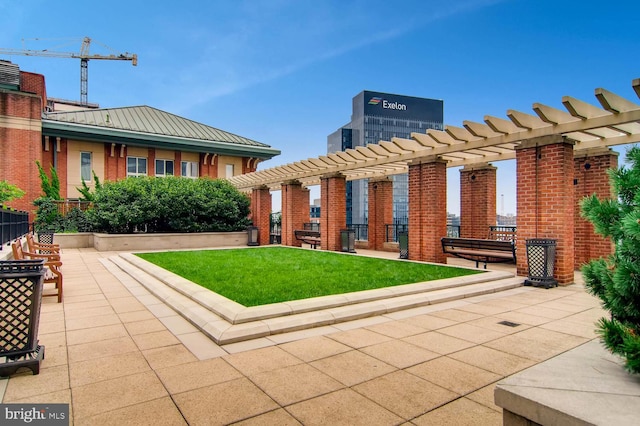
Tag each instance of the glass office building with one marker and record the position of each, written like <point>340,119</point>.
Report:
<point>380,117</point>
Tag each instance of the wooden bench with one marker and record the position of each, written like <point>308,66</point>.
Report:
<point>52,265</point>
<point>308,236</point>
<point>480,250</point>
<point>43,248</point>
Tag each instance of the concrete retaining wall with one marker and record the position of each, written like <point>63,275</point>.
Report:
<point>134,242</point>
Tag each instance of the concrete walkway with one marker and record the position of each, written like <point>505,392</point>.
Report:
<point>119,356</point>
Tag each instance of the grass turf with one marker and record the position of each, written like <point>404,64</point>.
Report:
<point>266,275</point>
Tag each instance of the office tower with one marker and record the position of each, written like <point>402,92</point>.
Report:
<point>380,117</point>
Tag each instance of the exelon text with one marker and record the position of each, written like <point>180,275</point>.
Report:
<point>393,105</point>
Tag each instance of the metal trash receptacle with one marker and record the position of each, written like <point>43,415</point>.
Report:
<point>403,244</point>
<point>348,240</point>
<point>541,259</point>
<point>21,283</point>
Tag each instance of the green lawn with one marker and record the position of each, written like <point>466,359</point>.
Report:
<point>265,275</point>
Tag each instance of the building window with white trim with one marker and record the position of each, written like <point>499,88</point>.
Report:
<point>136,166</point>
<point>85,166</point>
<point>189,169</point>
<point>164,168</point>
<point>229,170</point>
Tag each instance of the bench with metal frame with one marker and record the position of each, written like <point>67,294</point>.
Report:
<point>479,250</point>
<point>308,236</point>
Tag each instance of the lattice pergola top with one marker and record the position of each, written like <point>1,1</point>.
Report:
<point>616,122</point>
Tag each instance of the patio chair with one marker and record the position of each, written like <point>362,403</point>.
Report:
<point>52,265</point>
<point>42,248</point>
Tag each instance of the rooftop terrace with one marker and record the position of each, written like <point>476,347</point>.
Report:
<point>119,355</point>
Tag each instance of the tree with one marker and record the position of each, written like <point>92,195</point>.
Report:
<point>50,187</point>
<point>9,192</point>
<point>616,279</point>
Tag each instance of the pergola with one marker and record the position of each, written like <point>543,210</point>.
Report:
<point>615,122</point>
<point>586,129</point>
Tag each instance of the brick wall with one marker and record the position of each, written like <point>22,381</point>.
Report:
<point>261,213</point>
<point>477,201</point>
<point>427,210</point>
<point>295,200</point>
<point>34,83</point>
<point>590,173</point>
<point>333,211</point>
<point>21,139</point>
<point>380,211</point>
<point>545,199</point>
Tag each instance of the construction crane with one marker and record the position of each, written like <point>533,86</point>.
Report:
<point>84,57</point>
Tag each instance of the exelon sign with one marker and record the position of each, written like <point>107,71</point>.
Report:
<point>387,104</point>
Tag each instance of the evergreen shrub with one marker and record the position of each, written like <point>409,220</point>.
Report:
<point>616,279</point>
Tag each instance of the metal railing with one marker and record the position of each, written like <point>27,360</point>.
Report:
<point>503,233</point>
<point>362,231</point>
<point>391,231</point>
<point>13,224</point>
<point>453,231</point>
<point>311,226</point>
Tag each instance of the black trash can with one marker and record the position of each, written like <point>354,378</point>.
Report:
<point>541,258</point>
<point>403,244</point>
<point>21,284</point>
<point>348,240</point>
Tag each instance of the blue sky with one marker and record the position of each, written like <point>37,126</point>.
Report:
<point>283,72</point>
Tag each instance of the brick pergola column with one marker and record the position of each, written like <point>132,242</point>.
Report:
<point>333,210</point>
<point>380,211</point>
<point>295,211</point>
<point>261,213</point>
<point>590,173</point>
<point>477,200</point>
<point>545,197</point>
<point>427,209</point>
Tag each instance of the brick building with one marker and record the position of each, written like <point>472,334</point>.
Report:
<point>112,142</point>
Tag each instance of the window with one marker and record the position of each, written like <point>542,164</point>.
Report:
<point>85,166</point>
<point>189,169</point>
<point>229,170</point>
<point>164,167</point>
<point>136,166</point>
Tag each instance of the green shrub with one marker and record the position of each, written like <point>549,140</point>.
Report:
<point>170,204</point>
<point>616,279</point>
<point>48,219</point>
<point>9,192</point>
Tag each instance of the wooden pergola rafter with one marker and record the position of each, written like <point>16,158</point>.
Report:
<point>615,122</point>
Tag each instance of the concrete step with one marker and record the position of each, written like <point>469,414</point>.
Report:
<point>226,321</point>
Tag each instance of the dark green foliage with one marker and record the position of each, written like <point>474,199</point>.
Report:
<point>85,191</point>
<point>616,280</point>
<point>170,204</point>
<point>48,219</point>
<point>50,187</point>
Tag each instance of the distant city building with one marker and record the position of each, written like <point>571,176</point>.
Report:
<point>380,117</point>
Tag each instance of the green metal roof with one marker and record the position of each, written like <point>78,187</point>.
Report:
<point>147,126</point>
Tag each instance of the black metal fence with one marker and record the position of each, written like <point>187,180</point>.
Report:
<point>361,229</point>
<point>453,231</point>
<point>503,233</point>
<point>13,224</point>
<point>311,226</point>
<point>392,231</point>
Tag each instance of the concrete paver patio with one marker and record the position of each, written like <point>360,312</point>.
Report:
<point>118,355</point>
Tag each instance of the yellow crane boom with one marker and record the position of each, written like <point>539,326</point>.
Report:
<point>84,55</point>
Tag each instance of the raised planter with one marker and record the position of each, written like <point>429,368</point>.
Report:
<point>135,242</point>
<point>584,386</point>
